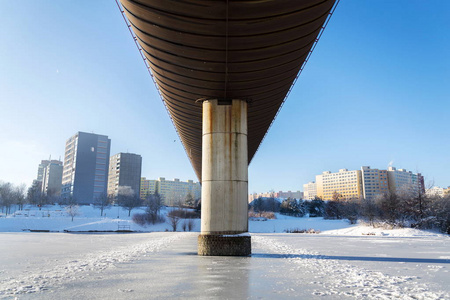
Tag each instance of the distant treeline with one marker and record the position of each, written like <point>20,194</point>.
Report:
<point>391,209</point>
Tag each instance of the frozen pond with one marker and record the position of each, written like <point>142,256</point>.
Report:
<point>165,266</point>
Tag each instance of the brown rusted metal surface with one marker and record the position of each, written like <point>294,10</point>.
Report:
<point>250,50</point>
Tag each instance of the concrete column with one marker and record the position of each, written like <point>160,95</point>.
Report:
<point>224,222</point>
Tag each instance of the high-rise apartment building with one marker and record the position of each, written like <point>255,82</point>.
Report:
<point>52,178</point>
<point>347,184</point>
<point>85,172</point>
<point>49,176</point>
<point>172,191</point>
<point>374,182</point>
<point>42,166</point>
<point>310,190</point>
<point>403,181</point>
<point>124,170</point>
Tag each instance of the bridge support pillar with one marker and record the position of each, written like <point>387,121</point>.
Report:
<point>224,219</point>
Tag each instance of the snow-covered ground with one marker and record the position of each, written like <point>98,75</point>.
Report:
<point>343,261</point>
<point>56,219</point>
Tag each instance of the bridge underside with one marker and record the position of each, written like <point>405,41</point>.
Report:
<point>223,69</point>
<point>248,50</point>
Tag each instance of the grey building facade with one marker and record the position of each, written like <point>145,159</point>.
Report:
<point>42,166</point>
<point>124,170</point>
<point>52,178</point>
<point>86,163</point>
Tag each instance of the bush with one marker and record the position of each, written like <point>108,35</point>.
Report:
<point>262,214</point>
<point>147,218</point>
<point>184,214</point>
<point>140,219</point>
<point>297,230</point>
<point>315,207</point>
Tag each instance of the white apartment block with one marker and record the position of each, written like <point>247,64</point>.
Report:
<point>405,181</point>
<point>435,191</point>
<point>279,195</point>
<point>293,195</point>
<point>309,190</point>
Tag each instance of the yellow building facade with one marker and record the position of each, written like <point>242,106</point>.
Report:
<point>172,191</point>
<point>147,187</point>
<point>348,184</point>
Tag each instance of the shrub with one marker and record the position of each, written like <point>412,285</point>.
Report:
<point>297,230</point>
<point>184,214</point>
<point>147,218</point>
<point>263,214</point>
<point>140,219</point>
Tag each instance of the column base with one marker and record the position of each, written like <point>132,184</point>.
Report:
<point>224,245</point>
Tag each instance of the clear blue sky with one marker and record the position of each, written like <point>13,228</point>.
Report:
<point>375,91</point>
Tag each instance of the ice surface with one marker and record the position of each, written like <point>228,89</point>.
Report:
<point>165,266</point>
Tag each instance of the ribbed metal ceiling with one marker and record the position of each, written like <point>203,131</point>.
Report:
<point>250,50</point>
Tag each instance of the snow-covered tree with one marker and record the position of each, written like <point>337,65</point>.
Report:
<point>316,207</point>
<point>72,211</point>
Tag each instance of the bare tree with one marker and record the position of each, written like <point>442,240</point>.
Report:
<point>333,208</point>
<point>370,210</point>
<point>102,202</point>
<point>173,221</point>
<point>188,224</point>
<point>128,199</point>
<point>351,209</point>
<point>6,196</point>
<point>19,196</point>
<point>153,203</point>
<point>390,207</point>
<point>35,196</point>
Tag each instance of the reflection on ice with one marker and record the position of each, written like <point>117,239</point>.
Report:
<point>223,277</point>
